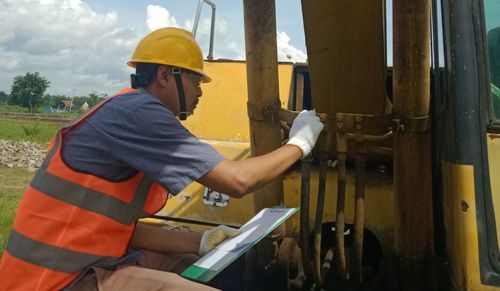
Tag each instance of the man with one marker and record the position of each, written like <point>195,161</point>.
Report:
<point>76,225</point>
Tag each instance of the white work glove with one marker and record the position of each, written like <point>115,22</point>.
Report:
<point>211,238</point>
<point>305,131</point>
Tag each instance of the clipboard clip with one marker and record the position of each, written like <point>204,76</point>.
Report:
<point>279,208</point>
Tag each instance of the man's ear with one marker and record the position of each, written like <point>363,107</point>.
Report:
<point>162,75</point>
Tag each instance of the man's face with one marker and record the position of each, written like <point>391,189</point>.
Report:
<point>191,83</point>
<point>192,89</point>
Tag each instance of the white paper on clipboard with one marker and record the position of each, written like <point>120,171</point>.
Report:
<point>251,232</point>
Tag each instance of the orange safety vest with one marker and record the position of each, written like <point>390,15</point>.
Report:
<point>68,220</point>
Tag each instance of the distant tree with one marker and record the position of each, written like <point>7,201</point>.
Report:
<point>95,98</point>
<point>4,98</point>
<point>56,101</point>
<point>27,91</point>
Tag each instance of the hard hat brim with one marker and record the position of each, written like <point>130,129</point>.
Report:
<point>206,78</point>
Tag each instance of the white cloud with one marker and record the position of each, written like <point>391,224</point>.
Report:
<point>226,46</point>
<point>74,47</point>
<point>287,52</point>
<point>80,50</point>
<point>158,17</point>
<point>224,43</point>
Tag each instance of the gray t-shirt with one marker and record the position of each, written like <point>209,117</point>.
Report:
<point>136,132</point>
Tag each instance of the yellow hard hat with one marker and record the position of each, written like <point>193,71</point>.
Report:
<point>170,46</point>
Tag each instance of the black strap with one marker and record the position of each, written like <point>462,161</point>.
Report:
<point>135,81</point>
<point>182,99</point>
<point>144,73</point>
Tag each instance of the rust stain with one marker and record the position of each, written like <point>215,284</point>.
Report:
<point>493,136</point>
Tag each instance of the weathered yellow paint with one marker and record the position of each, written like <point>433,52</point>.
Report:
<point>459,210</point>
<point>221,113</point>
<point>188,204</point>
<point>346,50</point>
<point>379,200</point>
<point>493,143</point>
<point>346,56</point>
<point>221,120</point>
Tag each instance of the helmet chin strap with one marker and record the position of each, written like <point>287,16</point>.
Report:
<point>180,89</point>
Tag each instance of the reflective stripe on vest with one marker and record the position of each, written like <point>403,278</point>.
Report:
<point>50,257</point>
<point>89,199</point>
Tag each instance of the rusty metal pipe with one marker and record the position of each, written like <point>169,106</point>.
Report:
<point>413,230</point>
<point>263,90</point>
<point>340,224</point>
<point>359,217</point>
<point>304,214</point>
<point>327,263</point>
<point>318,223</point>
<point>373,138</point>
<point>323,167</point>
<point>265,129</point>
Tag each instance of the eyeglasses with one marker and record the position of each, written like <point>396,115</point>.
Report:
<point>195,78</point>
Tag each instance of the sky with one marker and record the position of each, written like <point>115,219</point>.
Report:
<point>82,46</point>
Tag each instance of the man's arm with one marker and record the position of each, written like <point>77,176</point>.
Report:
<point>236,178</point>
<point>163,240</point>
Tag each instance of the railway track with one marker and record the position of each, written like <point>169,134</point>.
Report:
<point>34,116</point>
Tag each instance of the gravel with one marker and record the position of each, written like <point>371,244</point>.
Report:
<point>21,154</point>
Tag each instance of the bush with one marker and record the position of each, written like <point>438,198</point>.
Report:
<point>31,130</point>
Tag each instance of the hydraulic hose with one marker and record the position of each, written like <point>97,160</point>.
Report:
<point>304,214</point>
<point>339,229</point>
<point>359,217</point>
<point>318,274</point>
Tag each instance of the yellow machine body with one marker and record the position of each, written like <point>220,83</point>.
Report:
<point>493,141</point>
<point>461,225</point>
<point>221,120</point>
<point>347,78</point>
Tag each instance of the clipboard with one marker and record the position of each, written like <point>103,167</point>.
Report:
<point>227,252</point>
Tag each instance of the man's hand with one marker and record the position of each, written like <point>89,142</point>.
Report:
<point>305,131</point>
<point>213,237</point>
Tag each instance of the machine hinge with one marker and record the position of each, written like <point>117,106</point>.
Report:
<point>412,124</point>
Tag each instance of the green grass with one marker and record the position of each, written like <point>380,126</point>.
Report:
<point>41,131</point>
<point>13,183</point>
<point>38,111</point>
<point>12,108</point>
